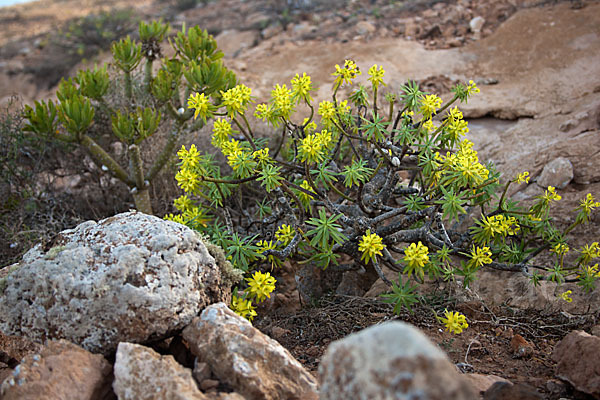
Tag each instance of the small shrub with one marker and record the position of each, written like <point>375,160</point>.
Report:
<point>377,179</point>
<point>96,108</point>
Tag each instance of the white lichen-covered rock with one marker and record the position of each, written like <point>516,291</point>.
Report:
<point>131,277</point>
<point>393,360</point>
<point>253,364</point>
<point>143,374</point>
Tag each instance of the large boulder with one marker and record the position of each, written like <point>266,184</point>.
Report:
<point>61,370</point>
<point>393,360</point>
<point>131,277</point>
<point>253,364</point>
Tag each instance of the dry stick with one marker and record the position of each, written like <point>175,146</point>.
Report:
<point>380,272</point>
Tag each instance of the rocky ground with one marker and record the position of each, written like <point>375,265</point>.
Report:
<point>537,63</point>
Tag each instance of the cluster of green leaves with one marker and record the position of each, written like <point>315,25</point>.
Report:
<point>137,104</point>
<point>380,185</point>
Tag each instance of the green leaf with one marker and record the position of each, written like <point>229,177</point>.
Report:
<point>325,229</point>
<point>403,295</point>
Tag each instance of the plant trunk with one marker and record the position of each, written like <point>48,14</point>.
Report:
<point>142,201</point>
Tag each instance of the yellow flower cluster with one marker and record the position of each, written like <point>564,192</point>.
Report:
<point>301,87</point>
<point>589,252</point>
<point>566,296</point>
<point>376,76</point>
<point>416,256</point>
<point>282,101</point>
<point>455,322</point>
<point>200,103</point>
<point>285,234</point>
<point>523,177</point>
<point>472,88</point>
<point>260,285</point>
<point>466,162</point>
<point>480,256</point>
<point>243,307</point>
<point>429,105</point>
<point>370,246</point>
<point>345,74</point>
<point>560,249</point>
<point>236,99</point>
<point>221,132</point>
<point>551,195</point>
<point>500,225</point>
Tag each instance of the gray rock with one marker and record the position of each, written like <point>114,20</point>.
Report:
<point>143,374</point>
<point>253,364</point>
<point>557,173</point>
<point>393,360</point>
<point>131,277</point>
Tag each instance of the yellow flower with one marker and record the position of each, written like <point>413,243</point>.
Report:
<point>327,112</point>
<point>310,149</point>
<point>480,256</point>
<point>565,296</point>
<point>455,114</point>
<point>523,177</point>
<point>303,196</point>
<point>345,74</point>
<point>455,322</point>
<point>324,138</point>
<point>376,76</point>
<point>588,205</point>
<point>261,285</point>
<point>588,252</point>
<point>429,105</point>
<point>560,249</point>
<point>285,234</point>
<point>416,256</point>
<point>236,99</point>
<point>429,126</point>
<point>183,203</point>
<point>262,156</point>
<point>202,106</point>
<point>189,158</point>
<point>282,101</point>
<point>187,180</point>
<point>301,87</point>
<point>370,245</point>
<point>310,126</point>
<point>472,88</point>
<point>221,131</point>
<point>551,194</point>
<point>243,308</point>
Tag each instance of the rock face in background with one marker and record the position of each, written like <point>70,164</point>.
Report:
<point>557,173</point>
<point>131,277</point>
<point>393,360</point>
<point>253,364</point>
<point>577,361</point>
<point>61,370</point>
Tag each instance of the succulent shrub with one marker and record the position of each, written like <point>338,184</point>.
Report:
<point>136,102</point>
<point>380,180</point>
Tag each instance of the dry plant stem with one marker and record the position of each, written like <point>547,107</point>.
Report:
<point>102,158</point>
<point>380,272</point>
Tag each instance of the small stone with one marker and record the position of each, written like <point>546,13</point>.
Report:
<point>476,24</point>
<point>481,382</point>
<point>365,28</point>
<point>508,391</point>
<point>208,384</point>
<point>557,173</point>
<point>520,348</point>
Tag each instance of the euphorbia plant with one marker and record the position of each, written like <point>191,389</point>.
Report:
<point>137,107</point>
<point>381,181</point>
